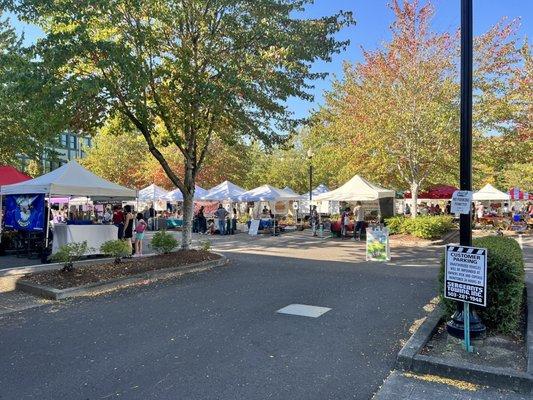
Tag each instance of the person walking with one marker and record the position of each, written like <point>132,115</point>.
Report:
<point>140,228</point>
<point>221,213</point>
<point>314,219</point>
<point>128,225</point>
<point>359,215</point>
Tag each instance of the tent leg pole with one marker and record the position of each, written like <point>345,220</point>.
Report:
<point>47,222</point>
<point>1,216</point>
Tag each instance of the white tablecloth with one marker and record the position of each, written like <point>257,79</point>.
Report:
<point>95,235</point>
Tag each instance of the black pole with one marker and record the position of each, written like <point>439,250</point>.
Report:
<point>455,327</point>
<point>310,182</point>
<point>465,223</point>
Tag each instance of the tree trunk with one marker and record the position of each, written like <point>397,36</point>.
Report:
<point>188,210</point>
<point>414,199</point>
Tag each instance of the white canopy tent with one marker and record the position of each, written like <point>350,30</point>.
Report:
<point>323,207</point>
<point>289,190</point>
<point>152,193</point>
<point>71,179</point>
<point>490,193</point>
<point>320,189</point>
<point>357,189</point>
<point>267,193</point>
<point>176,194</point>
<point>225,191</point>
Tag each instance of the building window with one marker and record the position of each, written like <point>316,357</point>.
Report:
<point>73,142</point>
<point>64,139</point>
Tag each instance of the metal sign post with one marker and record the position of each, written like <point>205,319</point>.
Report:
<point>466,308</point>
<point>455,327</point>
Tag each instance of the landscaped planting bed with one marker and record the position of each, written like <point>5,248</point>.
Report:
<point>108,271</point>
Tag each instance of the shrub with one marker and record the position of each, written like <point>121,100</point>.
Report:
<point>69,253</point>
<point>116,249</point>
<point>395,224</point>
<point>425,227</point>
<point>205,245</point>
<point>505,284</point>
<point>163,242</point>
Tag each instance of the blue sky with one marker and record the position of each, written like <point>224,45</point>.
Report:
<point>373,19</point>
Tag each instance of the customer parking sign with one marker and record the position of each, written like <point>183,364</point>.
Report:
<point>465,277</point>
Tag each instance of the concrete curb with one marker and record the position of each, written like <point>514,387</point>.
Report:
<point>529,322</point>
<point>410,359</point>
<point>115,284</point>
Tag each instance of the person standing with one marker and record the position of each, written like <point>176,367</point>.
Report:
<point>314,219</point>
<point>345,221</point>
<point>140,228</point>
<point>234,221</point>
<point>359,215</point>
<point>221,213</point>
<point>480,211</point>
<point>128,225</point>
<point>108,215</point>
<point>202,223</point>
<point>118,221</point>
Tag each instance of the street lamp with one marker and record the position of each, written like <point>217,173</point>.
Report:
<point>310,155</point>
<point>456,327</point>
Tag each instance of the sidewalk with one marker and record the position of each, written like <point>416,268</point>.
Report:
<point>408,386</point>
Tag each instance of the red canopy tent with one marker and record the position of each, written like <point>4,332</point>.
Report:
<point>442,192</point>
<point>10,175</point>
<point>517,194</point>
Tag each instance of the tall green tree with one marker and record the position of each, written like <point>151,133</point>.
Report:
<point>394,117</point>
<point>503,104</point>
<point>29,119</point>
<point>394,114</point>
<point>197,68</point>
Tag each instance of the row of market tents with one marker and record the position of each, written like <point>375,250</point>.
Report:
<point>72,179</point>
<point>357,189</point>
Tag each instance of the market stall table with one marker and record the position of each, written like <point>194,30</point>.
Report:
<point>173,223</point>
<point>95,235</point>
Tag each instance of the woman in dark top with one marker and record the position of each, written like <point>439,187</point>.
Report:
<point>128,224</point>
<point>202,223</point>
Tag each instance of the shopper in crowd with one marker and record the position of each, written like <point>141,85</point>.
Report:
<point>202,223</point>
<point>108,215</point>
<point>345,221</point>
<point>448,208</point>
<point>210,230</point>
<point>128,225</point>
<point>118,220</point>
<point>314,219</point>
<point>234,221</point>
<point>359,216</point>
<point>480,211</point>
<point>140,228</point>
<point>221,213</point>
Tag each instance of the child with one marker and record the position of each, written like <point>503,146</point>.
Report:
<point>139,234</point>
<point>210,227</point>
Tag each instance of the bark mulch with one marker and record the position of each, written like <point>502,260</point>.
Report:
<point>102,272</point>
